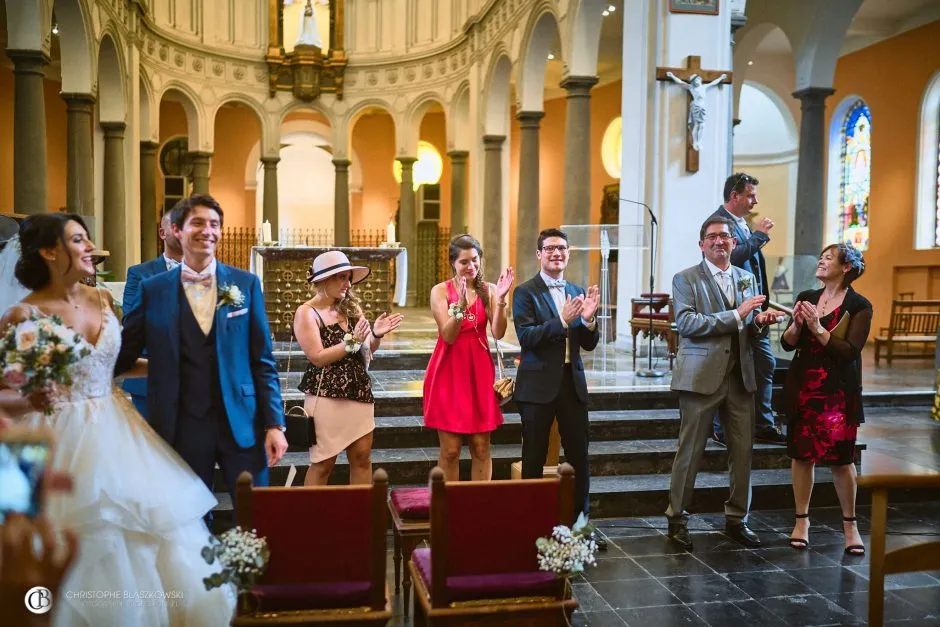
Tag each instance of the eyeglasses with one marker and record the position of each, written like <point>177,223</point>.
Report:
<point>551,249</point>
<point>724,237</point>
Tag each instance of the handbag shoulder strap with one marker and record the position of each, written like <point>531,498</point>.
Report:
<point>290,350</point>
<point>499,354</point>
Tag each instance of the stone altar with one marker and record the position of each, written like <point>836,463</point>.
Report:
<point>283,274</point>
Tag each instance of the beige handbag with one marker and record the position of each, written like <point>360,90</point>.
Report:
<point>504,386</point>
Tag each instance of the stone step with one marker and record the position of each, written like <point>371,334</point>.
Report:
<point>382,360</point>
<point>611,458</point>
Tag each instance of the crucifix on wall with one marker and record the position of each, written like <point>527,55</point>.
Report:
<point>696,81</point>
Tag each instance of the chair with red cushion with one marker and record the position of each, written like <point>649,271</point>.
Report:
<point>327,553</point>
<point>483,565</point>
<point>411,525</point>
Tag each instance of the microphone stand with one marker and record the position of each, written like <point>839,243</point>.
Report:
<point>654,224</point>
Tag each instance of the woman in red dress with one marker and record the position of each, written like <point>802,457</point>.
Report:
<point>459,398</point>
<point>823,391</point>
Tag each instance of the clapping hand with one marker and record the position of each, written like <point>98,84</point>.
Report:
<point>764,226</point>
<point>386,323</point>
<point>752,303</point>
<point>505,282</point>
<point>462,292</point>
<point>808,313</point>
<point>769,317</point>
<point>591,303</point>
<point>361,330</point>
<point>573,308</point>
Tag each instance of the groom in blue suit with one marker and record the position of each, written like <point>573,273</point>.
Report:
<point>212,383</point>
<point>171,258</point>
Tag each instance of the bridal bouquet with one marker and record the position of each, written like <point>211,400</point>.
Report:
<point>242,555</point>
<point>567,551</point>
<point>38,353</point>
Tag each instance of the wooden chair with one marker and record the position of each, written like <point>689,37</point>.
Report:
<point>916,557</point>
<point>327,564</point>
<point>482,566</point>
<point>663,322</point>
<point>411,525</point>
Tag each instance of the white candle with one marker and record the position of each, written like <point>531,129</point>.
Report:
<point>266,232</point>
<point>390,233</point>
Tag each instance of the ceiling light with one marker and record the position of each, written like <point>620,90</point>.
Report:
<point>551,56</point>
<point>611,8</point>
<point>55,29</point>
<point>750,63</point>
<point>605,13</point>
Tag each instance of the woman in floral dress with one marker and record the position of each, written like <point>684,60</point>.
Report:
<point>823,391</point>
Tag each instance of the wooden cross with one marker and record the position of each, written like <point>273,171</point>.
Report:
<point>693,68</point>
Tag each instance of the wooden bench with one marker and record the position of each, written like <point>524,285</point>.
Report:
<point>913,558</point>
<point>914,324</point>
<point>663,322</point>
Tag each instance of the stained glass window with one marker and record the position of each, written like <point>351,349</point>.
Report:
<point>855,186</point>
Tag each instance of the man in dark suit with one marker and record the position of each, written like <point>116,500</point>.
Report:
<point>554,320</point>
<point>740,196</point>
<point>171,257</point>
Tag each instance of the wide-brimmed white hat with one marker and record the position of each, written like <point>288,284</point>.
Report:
<point>333,262</point>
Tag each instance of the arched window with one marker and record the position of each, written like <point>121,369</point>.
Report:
<point>855,176</point>
<point>927,230</point>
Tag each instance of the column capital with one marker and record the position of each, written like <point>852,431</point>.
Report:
<point>813,94</point>
<point>458,156</point>
<point>406,162</point>
<point>530,119</point>
<point>493,142</point>
<point>28,61</point>
<point>200,155</point>
<point>578,86</point>
<point>78,101</point>
<point>341,164</point>
<point>148,147</point>
<point>270,162</point>
<point>113,129</point>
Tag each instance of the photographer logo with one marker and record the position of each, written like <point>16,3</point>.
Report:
<point>38,600</point>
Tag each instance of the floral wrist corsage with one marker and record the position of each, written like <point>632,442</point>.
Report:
<point>455,311</point>
<point>351,344</point>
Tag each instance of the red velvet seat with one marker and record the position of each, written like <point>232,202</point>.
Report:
<point>411,525</point>
<point>412,503</point>
<point>327,549</point>
<point>483,558</point>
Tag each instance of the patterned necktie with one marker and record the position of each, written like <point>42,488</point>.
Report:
<point>190,277</point>
<point>726,286</point>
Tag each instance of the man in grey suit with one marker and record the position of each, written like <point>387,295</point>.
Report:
<point>718,319</point>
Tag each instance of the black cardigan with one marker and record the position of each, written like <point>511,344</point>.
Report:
<point>842,355</point>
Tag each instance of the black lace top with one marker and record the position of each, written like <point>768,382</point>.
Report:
<point>346,378</point>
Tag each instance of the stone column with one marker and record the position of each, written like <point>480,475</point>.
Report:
<point>79,177</point>
<point>200,162</point>
<point>149,217</point>
<point>341,203</point>
<point>269,203</point>
<point>29,131</point>
<point>527,216</point>
<point>577,194</point>
<point>809,220</point>
<point>458,191</point>
<point>407,223</point>
<point>493,200</point>
<point>114,218</point>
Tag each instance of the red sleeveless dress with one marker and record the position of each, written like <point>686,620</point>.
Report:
<point>458,385</point>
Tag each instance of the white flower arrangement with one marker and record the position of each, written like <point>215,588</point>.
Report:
<point>351,344</point>
<point>242,555</point>
<point>567,551</point>
<point>38,353</point>
<point>745,282</point>
<point>455,311</point>
<point>230,294</point>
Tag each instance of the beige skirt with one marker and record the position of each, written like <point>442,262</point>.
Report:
<point>337,423</point>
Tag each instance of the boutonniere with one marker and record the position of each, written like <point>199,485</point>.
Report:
<point>230,295</point>
<point>745,283</point>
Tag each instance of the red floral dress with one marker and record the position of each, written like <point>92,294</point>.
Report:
<point>820,431</point>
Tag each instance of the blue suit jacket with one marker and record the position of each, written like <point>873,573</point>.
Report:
<point>247,370</point>
<point>747,253</point>
<point>136,274</point>
<point>544,339</point>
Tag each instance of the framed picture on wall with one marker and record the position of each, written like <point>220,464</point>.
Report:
<point>704,7</point>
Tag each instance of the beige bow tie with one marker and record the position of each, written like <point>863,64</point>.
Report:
<point>190,277</point>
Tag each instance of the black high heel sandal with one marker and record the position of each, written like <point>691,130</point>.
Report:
<point>799,543</point>
<point>855,550</point>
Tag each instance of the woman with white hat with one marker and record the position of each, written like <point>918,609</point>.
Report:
<point>333,334</point>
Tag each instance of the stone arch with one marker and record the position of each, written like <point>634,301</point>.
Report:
<point>746,49</point>
<point>834,166</point>
<point>496,88</point>
<point>819,52</point>
<point>189,100</point>
<point>111,96</point>
<point>149,110</point>
<point>541,33</point>
<point>316,106</point>
<point>928,132</point>
<point>361,107</point>
<point>29,23</point>
<point>459,127</point>
<point>416,112</point>
<point>75,37</point>
<point>584,33</point>
<point>249,102</point>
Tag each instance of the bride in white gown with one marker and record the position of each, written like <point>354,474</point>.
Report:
<point>136,506</point>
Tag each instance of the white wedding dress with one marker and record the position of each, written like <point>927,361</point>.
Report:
<point>136,506</point>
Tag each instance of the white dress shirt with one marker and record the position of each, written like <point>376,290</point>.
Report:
<point>202,299</point>
<point>558,297</point>
<point>725,281</point>
<point>741,222</point>
<point>170,263</point>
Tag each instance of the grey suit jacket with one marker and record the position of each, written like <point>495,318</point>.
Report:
<point>705,328</point>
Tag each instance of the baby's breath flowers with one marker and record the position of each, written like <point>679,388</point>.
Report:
<point>242,555</point>
<point>567,551</point>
